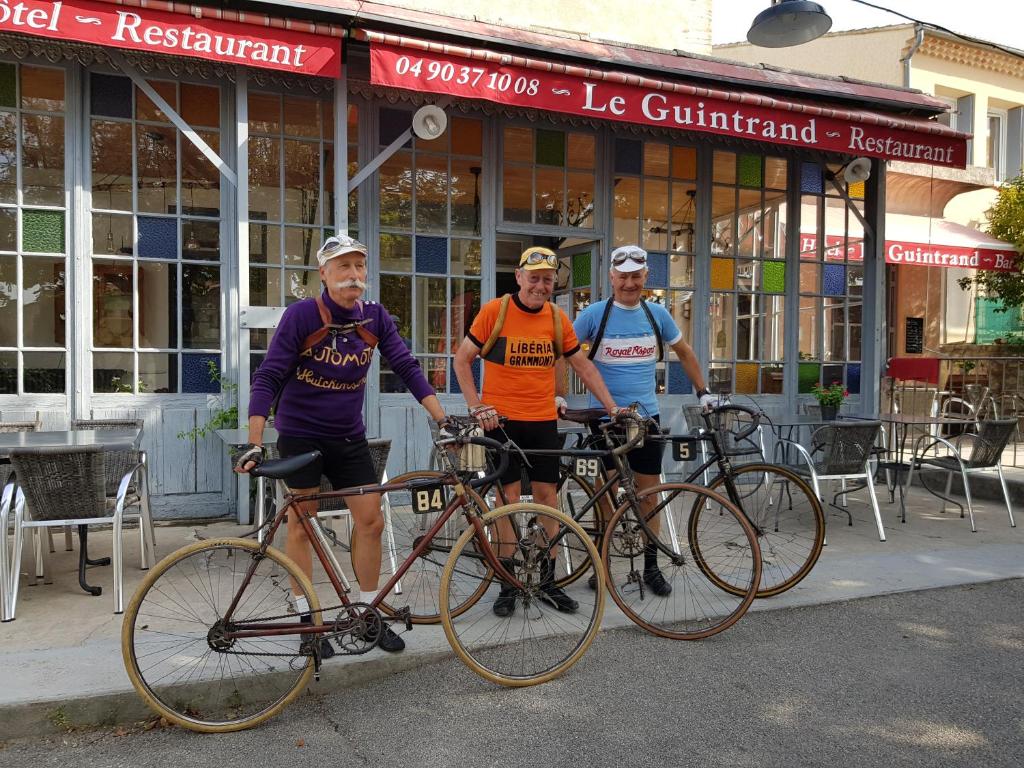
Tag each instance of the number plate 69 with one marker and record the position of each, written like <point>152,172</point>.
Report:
<point>589,468</point>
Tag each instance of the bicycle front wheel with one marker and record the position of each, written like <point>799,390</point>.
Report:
<point>786,516</point>
<point>654,570</point>
<point>574,493</point>
<point>546,630</point>
<point>173,636</point>
<point>419,587</point>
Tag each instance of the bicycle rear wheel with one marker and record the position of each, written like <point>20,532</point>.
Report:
<point>535,642</point>
<point>696,606</point>
<point>786,516</point>
<point>421,584</point>
<point>173,644</point>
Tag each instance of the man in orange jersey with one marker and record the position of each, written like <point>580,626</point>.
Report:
<point>519,384</point>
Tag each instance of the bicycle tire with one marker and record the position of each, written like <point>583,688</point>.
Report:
<point>696,607</point>
<point>422,582</point>
<point>535,633</point>
<point>178,682</point>
<point>574,564</point>
<point>790,543</point>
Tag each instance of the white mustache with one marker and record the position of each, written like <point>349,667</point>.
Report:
<point>354,282</point>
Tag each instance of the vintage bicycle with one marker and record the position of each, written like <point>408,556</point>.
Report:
<point>212,642</point>
<point>781,507</point>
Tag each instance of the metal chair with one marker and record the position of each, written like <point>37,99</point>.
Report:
<point>985,455</point>
<point>841,451</point>
<point>118,463</point>
<point>67,486</point>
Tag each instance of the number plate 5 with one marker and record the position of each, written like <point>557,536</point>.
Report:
<point>682,449</point>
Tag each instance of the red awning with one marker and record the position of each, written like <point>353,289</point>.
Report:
<point>917,241</point>
<point>209,36</point>
<point>425,66</point>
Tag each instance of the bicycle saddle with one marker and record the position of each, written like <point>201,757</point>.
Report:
<point>279,469</point>
<point>584,415</point>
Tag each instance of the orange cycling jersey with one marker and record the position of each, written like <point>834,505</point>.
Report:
<point>519,370</point>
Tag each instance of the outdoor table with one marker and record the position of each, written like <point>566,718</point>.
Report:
<point>897,427</point>
<point>108,439</point>
<point>791,425</point>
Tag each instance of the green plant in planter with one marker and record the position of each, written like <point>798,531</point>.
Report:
<point>830,396</point>
<point>220,418</point>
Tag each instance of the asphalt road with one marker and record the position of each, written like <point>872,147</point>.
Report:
<point>931,678</point>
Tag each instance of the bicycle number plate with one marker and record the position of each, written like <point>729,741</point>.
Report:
<point>429,499</point>
<point>589,468</point>
<point>683,448</point>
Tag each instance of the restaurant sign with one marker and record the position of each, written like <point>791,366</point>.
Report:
<point>913,254</point>
<point>142,29</point>
<point>743,117</point>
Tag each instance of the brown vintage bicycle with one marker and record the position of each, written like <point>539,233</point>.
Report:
<point>212,642</point>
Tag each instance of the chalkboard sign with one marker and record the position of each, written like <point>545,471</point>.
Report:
<point>914,343</point>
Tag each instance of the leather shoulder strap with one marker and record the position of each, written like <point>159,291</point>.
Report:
<point>556,315</point>
<point>654,327</point>
<point>498,323</point>
<point>600,330</point>
<point>320,334</point>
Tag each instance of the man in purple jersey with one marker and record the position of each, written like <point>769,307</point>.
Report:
<point>321,407</point>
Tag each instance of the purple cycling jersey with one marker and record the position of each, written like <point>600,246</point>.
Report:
<point>323,395</point>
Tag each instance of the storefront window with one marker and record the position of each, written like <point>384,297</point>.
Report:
<point>291,197</point>
<point>748,273</point>
<point>655,206</point>
<point>548,177</point>
<point>33,230</point>
<point>831,281</point>
<point>429,246</point>
<point>156,247</point>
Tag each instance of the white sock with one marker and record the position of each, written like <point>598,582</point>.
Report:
<point>301,604</point>
<point>367,597</point>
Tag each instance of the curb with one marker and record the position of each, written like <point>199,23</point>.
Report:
<point>19,720</point>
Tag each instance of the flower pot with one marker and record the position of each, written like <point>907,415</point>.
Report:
<point>829,412</point>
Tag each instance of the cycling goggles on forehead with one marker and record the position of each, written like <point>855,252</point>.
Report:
<point>539,258</point>
<point>621,257</point>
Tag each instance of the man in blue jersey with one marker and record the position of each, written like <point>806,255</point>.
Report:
<point>627,337</point>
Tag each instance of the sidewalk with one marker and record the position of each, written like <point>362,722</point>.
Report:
<point>62,656</point>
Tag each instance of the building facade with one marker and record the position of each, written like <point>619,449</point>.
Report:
<point>163,195</point>
<point>983,87</point>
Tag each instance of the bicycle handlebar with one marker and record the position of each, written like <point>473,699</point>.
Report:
<point>755,418</point>
<point>622,416</point>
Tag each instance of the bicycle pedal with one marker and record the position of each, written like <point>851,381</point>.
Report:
<point>404,614</point>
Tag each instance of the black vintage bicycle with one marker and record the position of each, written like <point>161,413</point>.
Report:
<point>780,506</point>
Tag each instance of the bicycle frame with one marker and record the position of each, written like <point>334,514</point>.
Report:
<point>459,502</point>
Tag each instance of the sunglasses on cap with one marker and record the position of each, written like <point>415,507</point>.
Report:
<point>633,254</point>
<point>534,256</point>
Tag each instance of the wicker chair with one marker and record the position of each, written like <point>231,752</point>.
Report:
<point>118,464</point>
<point>67,486</point>
<point>969,453</point>
<point>14,426</point>
<point>841,451</point>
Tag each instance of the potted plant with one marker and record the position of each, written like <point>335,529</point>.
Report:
<point>830,398</point>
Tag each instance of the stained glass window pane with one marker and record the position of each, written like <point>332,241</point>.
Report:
<point>722,274</point>
<point>628,156</point>
<point>750,170</point>
<point>8,85</point>
<point>110,95</point>
<point>581,263</point>
<point>810,178</point>
<point>42,231</point>
<point>808,375</point>
<point>432,255</point>
<point>773,276</point>
<point>158,238</point>
<point>195,374</point>
<point>550,148</point>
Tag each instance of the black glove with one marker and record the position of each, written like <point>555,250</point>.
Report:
<point>250,452</point>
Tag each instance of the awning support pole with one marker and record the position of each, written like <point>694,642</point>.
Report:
<point>174,117</point>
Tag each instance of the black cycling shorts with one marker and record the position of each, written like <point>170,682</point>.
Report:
<point>530,434</point>
<point>646,460</point>
<point>345,462</point>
